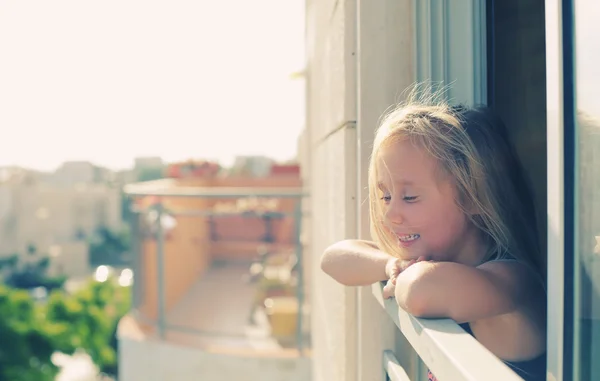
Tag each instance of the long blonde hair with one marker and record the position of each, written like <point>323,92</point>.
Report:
<point>473,149</point>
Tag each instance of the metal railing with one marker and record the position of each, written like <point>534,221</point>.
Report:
<point>141,190</point>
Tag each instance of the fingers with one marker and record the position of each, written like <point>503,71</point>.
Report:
<point>407,264</point>
<point>397,267</point>
<point>389,289</point>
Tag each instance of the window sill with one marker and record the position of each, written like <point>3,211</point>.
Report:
<point>448,351</point>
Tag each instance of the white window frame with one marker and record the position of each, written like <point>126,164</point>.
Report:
<point>555,184</point>
<point>451,51</point>
<point>443,345</point>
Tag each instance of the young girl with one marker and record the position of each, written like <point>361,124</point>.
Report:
<point>454,230</point>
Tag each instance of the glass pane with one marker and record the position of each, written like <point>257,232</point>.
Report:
<point>587,85</point>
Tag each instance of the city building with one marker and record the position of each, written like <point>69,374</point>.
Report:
<point>146,168</point>
<point>56,220</point>
<point>253,166</point>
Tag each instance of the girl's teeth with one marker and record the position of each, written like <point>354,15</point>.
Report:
<point>408,238</point>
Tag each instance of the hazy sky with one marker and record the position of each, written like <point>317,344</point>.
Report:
<point>110,80</point>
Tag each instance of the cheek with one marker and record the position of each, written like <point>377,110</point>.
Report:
<point>446,225</point>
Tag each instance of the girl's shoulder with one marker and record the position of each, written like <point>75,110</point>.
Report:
<point>521,270</point>
<point>518,335</point>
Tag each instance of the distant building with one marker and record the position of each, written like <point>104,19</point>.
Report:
<point>75,172</point>
<point>148,162</point>
<point>285,170</point>
<point>251,166</point>
<point>147,168</point>
<point>193,169</point>
<point>45,215</point>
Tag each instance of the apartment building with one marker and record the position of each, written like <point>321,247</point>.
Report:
<point>535,62</point>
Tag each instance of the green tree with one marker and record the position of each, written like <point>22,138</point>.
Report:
<point>27,338</point>
<point>110,248</point>
<point>88,320</point>
<point>30,275</point>
<point>31,332</point>
<point>9,263</point>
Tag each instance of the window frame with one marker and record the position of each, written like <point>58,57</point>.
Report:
<point>560,189</point>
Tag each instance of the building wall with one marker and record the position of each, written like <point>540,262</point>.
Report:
<point>69,258</point>
<point>305,162</point>
<point>360,60</point>
<point>74,172</point>
<point>331,145</point>
<point>186,257</point>
<point>46,215</point>
<point>386,68</point>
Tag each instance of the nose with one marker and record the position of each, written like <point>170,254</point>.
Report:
<point>393,214</point>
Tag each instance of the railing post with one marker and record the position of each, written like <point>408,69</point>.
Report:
<point>136,261</point>
<point>300,285</point>
<point>212,224</point>
<point>392,370</point>
<point>160,269</point>
<point>268,221</point>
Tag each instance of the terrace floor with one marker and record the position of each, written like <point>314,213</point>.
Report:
<point>214,315</point>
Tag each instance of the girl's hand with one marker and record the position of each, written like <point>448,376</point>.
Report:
<point>393,268</point>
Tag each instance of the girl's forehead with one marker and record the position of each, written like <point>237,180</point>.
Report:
<point>403,162</point>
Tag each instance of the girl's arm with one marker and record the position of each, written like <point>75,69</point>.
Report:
<point>356,263</point>
<point>464,293</point>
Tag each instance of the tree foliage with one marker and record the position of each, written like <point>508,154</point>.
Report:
<point>31,274</point>
<point>31,331</point>
<point>110,248</point>
<point>27,338</point>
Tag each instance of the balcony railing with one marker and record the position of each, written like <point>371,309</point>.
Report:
<point>159,210</point>
<point>392,368</point>
<point>448,351</point>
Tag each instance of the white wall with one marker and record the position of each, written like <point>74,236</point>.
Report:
<point>360,60</point>
<point>331,121</point>
<point>386,68</point>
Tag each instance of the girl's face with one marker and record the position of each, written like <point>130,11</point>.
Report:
<point>419,206</point>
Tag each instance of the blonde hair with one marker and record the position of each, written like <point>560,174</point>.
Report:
<point>472,148</point>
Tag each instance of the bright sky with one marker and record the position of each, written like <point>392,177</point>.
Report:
<point>110,80</point>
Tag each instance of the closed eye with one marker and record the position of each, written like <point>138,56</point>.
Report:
<point>387,197</point>
<point>410,198</point>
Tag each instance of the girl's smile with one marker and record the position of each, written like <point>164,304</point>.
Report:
<point>406,240</point>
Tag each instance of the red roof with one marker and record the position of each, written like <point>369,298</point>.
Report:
<point>285,169</point>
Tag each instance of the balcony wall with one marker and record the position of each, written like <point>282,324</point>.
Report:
<point>157,361</point>
<point>186,257</point>
<point>143,357</point>
<point>189,248</point>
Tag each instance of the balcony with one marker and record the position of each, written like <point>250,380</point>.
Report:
<point>219,285</point>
